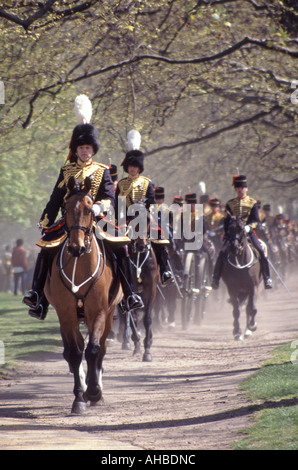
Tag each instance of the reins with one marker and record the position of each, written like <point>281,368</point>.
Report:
<point>93,276</point>
<point>138,266</point>
<point>69,281</point>
<point>242,266</point>
<point>242,239</point>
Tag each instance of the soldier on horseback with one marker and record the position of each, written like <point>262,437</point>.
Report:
<point>84,145</point>
<point>137,188</point>
<point>245,207</point>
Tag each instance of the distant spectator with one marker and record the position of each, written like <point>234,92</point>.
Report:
<point>20,266</point>
<point>7,269</point>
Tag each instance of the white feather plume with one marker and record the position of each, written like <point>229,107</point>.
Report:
<point>202,187</point>
<point>133,140</point>
<point>83,109</point>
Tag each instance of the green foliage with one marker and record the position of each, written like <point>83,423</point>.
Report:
<point>129,58</point>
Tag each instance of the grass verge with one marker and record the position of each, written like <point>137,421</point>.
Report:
<point>274,389</point>
<point>21,336</point>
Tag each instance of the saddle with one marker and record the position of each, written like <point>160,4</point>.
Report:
<point>56,234</point>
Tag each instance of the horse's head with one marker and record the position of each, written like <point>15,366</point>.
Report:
<point>141,245</point>
<point>78,216</point>
<point>236,234</point>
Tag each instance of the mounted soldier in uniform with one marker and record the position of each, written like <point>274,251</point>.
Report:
<point>84,145</point>
<point>137,188</point>
<point>215,223</point>
<point>245,207</point>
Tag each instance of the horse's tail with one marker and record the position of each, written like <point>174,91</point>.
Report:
<point>115,295</point>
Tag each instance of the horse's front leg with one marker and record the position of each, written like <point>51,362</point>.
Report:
<point>148,331</point>
<point>236,315</point>
<point>94,354</point>
<point>73,354</point>
<point>251,311</point>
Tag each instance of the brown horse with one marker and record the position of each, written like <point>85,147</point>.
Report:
<point>242,275</point>
<point>82,287</point>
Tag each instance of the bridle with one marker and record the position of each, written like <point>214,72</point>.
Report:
<point>238,238</point>
<point>87,230</point>
<point>87,241</point>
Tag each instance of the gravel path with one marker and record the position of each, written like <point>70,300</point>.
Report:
<point>186,399</point>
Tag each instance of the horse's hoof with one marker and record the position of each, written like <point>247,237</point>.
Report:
<point>147,357</point>
<point>238,337</point>
<point>92,398</point>
<point>247,333</point>
<point>78,407</point>
<point>137,349</point>
<point>126,346</point>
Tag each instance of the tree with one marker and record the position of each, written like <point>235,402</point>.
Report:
<point>208,85</point>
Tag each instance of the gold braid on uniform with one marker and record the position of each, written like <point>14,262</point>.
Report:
<point>94,171</point>
<point>242,208</point>
<point>134,189</point>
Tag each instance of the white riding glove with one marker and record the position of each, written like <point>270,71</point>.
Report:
<point>98,210</point>
<point>247,229</point>
<point>211,233</point>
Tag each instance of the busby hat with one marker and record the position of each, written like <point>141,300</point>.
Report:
<point>191,198</point>
<point>134,156</point>
<point>113,172</point>
<point>159,192</point>
<point>214,202</point>
<point>239,181</point>
<point>84,133</point>
<point>204,198</point>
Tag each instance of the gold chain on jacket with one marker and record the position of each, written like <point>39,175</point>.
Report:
<point>242,207</point>
<point>94,171</point>
<point>134,189</point>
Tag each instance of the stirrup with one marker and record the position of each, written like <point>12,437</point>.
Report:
<point>29,302</point>
<point>39,313</point>
<point>166,277</point>
<point>136,302</point>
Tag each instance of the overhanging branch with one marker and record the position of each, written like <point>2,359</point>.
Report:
<point>214,133</point>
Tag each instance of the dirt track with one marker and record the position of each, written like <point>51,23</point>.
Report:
<point>186,399</point>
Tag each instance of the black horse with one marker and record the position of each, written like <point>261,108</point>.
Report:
<point>145,276</point>
<point>242,275</point>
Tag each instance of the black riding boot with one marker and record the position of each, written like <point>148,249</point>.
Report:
<point>132,301</point>
<point>162,260</point>
<point>266,272</point>
<point>217,270</point>
<point>35,298</point>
